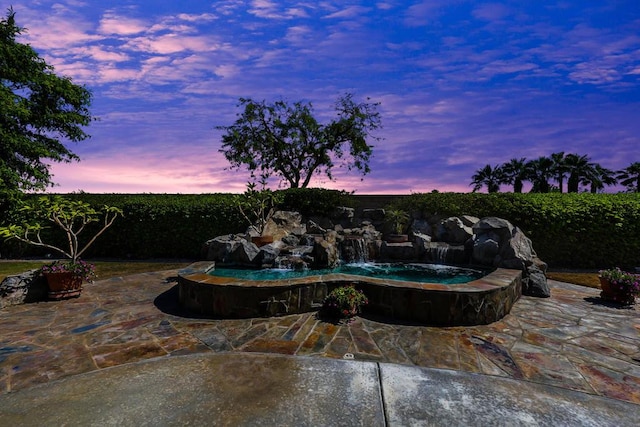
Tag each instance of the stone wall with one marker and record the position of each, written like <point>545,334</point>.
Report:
<point>481,301</point>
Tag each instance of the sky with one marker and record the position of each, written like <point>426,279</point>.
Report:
<point>461,84</point>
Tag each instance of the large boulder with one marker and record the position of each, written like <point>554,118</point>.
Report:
<point>534,283</point>
<point>220,248</point>
<point>283,223</point>
<point>315,228</point>
<point>453,230</point>
<point>421,242</point>
<point>325,254</point>
<point>22,288</point>
<point>498,243</point>
<point>517,252</point>
<point>267,254</point>
<point>343,216</point>
<point>422,227</point>
<point>486,248</point>
<point>244,253</point>
<point>469,220</point>
<point>501,227</point>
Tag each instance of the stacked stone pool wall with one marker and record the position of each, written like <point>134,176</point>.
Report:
<point>478,302</point>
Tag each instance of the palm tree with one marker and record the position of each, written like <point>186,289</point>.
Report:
<point>539,172</point>
<point>579,168</point>
<point>599,178</point>
<point>515,172</point>
<point>630,176</point>
<point>489,177</point>
<point>559,167</point>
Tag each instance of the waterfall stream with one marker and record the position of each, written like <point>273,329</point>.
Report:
<point>354,249</point>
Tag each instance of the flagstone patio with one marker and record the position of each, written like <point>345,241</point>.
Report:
<point>572,340</point>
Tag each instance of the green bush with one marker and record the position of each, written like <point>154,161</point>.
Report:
<point>315,201</point>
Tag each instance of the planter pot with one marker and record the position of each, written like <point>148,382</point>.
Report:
<point>340,312</point>
<point>261,240</point>
<point>610,293</point>
<point>63,285</point>
<point>397,238</point>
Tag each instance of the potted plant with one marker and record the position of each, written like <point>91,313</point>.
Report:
<point>257,206</point>
<point>344,302</point>
<point>65,278</point>
<point>398,220</point>
<point>619,286</point>
<point>72,217</point>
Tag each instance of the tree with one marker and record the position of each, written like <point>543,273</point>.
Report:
<point>37,110</point>
<point>630,177</point>
<point>559,168</point>
<point>579,168</point>
<point>72,217</point>
<point>540,171</point>
<point>599,177</point>
<point>288,141</point>
<point>488,176</point>
<point>515,172</point>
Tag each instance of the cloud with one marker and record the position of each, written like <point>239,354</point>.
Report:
<point>349,12</point>
<point>425,12</point>
<point>267,9</point>
<point>491,11</point>
<point>112,24</point>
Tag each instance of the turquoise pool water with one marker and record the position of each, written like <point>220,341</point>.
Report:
<point>422,273</point>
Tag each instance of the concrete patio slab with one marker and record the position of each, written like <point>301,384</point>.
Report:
<point>227,389</point>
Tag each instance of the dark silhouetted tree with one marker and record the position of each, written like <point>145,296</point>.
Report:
<point>38,109</point>
<point>287,140</point>
<point>580,169</point>
<point>599,178</point>
<point>630,177</point>
<point>559,168</point>
<point>490,177</point>
<point>540,171</point>
<point>515,173</point>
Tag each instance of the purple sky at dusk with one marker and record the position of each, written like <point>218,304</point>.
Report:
<point>460,83</point>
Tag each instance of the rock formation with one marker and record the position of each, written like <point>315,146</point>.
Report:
<point>324,242</point>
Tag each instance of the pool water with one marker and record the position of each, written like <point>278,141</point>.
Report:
<point>422,273</point>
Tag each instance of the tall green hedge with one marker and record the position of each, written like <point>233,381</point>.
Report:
<point>568,230</point>
<point>154,225</point>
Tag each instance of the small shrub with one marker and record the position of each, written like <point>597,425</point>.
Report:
<point>344,302</point>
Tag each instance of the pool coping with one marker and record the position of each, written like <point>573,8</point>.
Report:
<point>480,301</point>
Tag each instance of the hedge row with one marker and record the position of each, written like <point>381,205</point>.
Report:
<point>568,230</point>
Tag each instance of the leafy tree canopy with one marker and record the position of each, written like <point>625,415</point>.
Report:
<point>37,110</point>
<point>287,140</point>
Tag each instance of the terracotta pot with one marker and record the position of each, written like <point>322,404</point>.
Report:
<point>63,285</point>
<point>261,240</point>
<point>609,293</point>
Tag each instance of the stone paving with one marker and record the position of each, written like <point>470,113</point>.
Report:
<point>572,340</point>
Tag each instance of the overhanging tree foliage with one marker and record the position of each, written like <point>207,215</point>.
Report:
<point>37,110</point>
<point>288,141</point>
